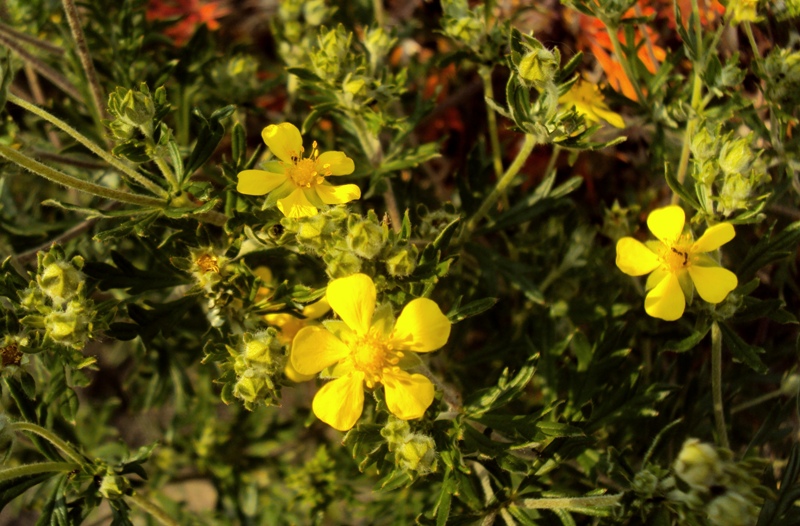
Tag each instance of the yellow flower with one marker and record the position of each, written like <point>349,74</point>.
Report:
<point>290,325</point>
<point>588,101</point>
<point>367,348</point>
<point>297,184</point>
<point>676,263</point>
<point>744,11</point>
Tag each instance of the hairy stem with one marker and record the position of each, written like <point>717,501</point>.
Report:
<point>95,149</point>
<point>44,45</point>
<point>716,385</point>
<point>573,502</point>
<point>73,182</point>
<point>491,199</point>
<point>51,437</point>
<point>43,69</point>
<point>494,138</point>
<point>153,509</point>
<point>86,61</point>
<point>35,469</point>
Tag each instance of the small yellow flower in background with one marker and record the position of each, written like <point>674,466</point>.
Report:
<point>589,102</point>
<point>676,263</point>
<point>366,348</point>
<point>743,11</point>
<point>297,184</point>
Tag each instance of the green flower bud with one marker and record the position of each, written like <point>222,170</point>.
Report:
<point>538,67</point>
<point>707,172</point>
<point>735,157</point>
<point>735,193</point>
<point>645,484</point>
<point>402,262</point>
<point>418,454</point>
<point>698,464</point>
<point>704,145</point>
<point>113,486</point>
<point>341,263</point>
<point>366,239</point>
<point>395,432</point>
<point>378,45</point>
<point>61,281</point>
<point>252,388</point>
<point>72,326</point>
<point>132,110</point>
<point>731,509</point>
<point>262,349</point>
<point>790,385</point>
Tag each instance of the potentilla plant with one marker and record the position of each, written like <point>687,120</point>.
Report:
<point>446,262</point>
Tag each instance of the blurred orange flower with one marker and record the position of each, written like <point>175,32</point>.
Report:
<point>193,13</point>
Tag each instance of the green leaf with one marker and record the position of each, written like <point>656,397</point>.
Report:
<point>688,343</point>
<point>769,248</point>
<point>442,509</point>
<point>304,74</point>
<point>11,489</point>
<point>209,137</point>
<point>559,429</point>
<point>127,276</point>
<point>506,390</point>
<point>743,351</point>
<point>473,308</point>
<point>681,190</point>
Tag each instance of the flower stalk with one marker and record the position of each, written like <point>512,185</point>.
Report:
<point>573,502</point>
<point>716,385</point>
<point>35,469</point>
<point>153,509</point>
<point>54,439</point>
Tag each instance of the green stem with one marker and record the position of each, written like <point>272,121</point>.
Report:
<point>696,102</point>
<point>51,437</point>
<point>44,45</point>
<point>166,171</point>
<point>502,184</point>
<point>377,9</point>
<point>75,134</point>
<point>35,469</point>
<point>716,385</point>
<point>494,138</point>
<point>78,36</point>
<point>574,502</point>
<point>43,69</point>
<point>623,59</point>
<point>748,30</point>
<point>755,401</point>
<point>153,509</point>
<point>73,182</point>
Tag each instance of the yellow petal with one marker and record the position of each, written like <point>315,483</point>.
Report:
<point>314,349</point>
<point>337,163</point>
<point>667,223</point>
<point>296,205</point>
<point>258,182</point>
<point>421,327</point>
<point>339,403</point>
<point>353,299</point>
<point>337,195</point>
<point>614,119</point>
<point>292,374</point>
<point>284,141</point>
<point>265,273</point>
<point>666,300</point>
<point>408,395</point>
<point>316,310</point>
<point>713,283</point>
<point>634,258</point>
<point>714,237</point>
<point>655,278</point>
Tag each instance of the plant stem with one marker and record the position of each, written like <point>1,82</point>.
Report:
<point>391,207</point>
<point>494,139</point>
<point>377,10</point>
<point>28,39</point>
<point>755,401</point>
<point>623,59</point>
<point>166,171</point>
<point>75,134</point>
<point>43,69</point>
<point>153,509</point>
<point>502,184</point>
<point>86,61</point>
<point>73,182</point>
<point>716,385</point>
<point>35,469</point>
<point>51,437</point>
<point>696,102</point>
<point>574,502</point>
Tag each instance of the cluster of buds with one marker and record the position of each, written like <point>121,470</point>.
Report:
<point>258,364</point>
<point>463,24</point>
<point>56,301</point>
<point>347,242</point>
<point>708,482</point>
<point>732,164</point>
<point>413,452</point>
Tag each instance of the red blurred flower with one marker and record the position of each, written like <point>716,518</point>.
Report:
<point>192,12</point>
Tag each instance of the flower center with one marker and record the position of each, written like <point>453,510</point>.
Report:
<point>373,357</point>
<point>305,172</point>
<point>676,257</point>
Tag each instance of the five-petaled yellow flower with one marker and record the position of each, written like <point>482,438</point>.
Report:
<point>589,102</point>
<point>367,348</point>
<point>675,263</point>
<point>296,183</point>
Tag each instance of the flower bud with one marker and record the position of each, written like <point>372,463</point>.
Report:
<point>418,454</point>
<point>395,432</point>
<point>704,145</point>
<point>402,262</point>
<point>698,464</point>
<point>731,509</point>
<point>366,239</point>
<point>790,385</point>
<point>72,326</point>
<point>61,281</point>
<point>252,388</point>
<point>735,193</point>
<point>538,67</point>
<point>735,156</point>
<point>341,263</point>
<point>645,484</point>
<point>113,486</point>
<point>263,349</point>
